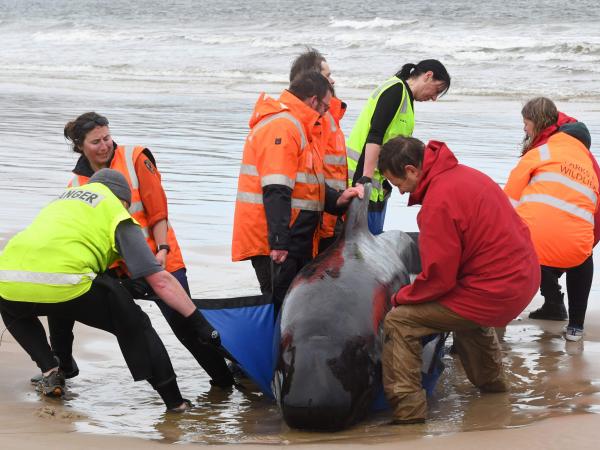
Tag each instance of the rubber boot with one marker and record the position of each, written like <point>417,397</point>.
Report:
<point>552,309</point>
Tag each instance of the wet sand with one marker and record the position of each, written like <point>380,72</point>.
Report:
<point>554,400</point>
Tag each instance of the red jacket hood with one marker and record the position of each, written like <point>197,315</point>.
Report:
<point>267,106</point>
<point>545,134</point>
<point>437,158</point>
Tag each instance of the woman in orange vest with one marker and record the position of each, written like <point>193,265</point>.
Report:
<point>91,138</point>
<point>554,188</point>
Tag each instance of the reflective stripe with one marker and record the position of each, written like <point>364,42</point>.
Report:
<point>308,178</point>
<point>277,179</point>
<point>351,173</point>
<point>250,197</point>
<point>335,160</point>
<point>136,207</point>
<point>404,105</point>
<point>284,115</point>
<point>513,202</point>
<point>54,279</point>
<point>544,152</point>
<point>135,184</point>
<point>352,154</point>
<point>376,183</point>
<point>559,204</point>
<point>332,124</point>
<point>557,178</point>
<point>248,169</point>
<point>75,181</point>
<point>385,85</point>
<point>309,205</point>
<point>257,199</point>
<point>338,185</point>
<point>145,232</point>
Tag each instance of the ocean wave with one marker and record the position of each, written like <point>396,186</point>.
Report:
<point>369,24</point>
<point>120,71</point>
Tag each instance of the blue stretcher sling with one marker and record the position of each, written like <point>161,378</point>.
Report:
<point>248,332</point>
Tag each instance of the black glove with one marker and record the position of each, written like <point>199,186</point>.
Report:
<point>197,325</point>
<point>138,288</point>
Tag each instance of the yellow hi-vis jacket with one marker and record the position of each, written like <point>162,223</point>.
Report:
<point>70,241</point>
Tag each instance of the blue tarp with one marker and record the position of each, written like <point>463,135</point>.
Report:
<point>248,328</point>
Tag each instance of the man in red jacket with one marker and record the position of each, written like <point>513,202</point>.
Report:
<point>479,271</point>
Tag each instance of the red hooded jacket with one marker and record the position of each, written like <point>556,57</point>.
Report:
<point>476,253</point>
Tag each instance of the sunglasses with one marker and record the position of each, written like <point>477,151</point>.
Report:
<point>97,122</point>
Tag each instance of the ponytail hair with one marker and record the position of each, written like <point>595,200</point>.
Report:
<point>440,73</point>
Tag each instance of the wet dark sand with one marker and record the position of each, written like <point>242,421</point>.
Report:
<point>550,379</point>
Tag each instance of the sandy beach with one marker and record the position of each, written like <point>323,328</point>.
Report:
<point>181,78</point>
<point>569,382</point>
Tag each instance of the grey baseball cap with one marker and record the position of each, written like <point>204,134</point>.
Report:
<point>115,181</point>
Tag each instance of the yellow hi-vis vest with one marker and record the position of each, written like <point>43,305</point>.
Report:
<point>58,256</point>
<point>402,124</point>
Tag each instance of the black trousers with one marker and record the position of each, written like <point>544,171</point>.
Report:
<point>275,279</point>
<point>579,283</point>
<point>61,332</point>
<point>107,306</point>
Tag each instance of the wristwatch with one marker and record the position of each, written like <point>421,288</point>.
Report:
<point>364,180</point>
<point>163,247</point>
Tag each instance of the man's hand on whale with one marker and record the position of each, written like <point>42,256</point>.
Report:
<point>349,194</point>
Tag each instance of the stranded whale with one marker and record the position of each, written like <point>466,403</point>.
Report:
<point>328,372</point>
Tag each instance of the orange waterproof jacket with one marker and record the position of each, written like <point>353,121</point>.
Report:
<point>144,182</point>
<point>280,154</point>
<point>335,162</point>
<point>554,189</point>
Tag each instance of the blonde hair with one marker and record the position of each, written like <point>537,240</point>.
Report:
<point>543,113</point>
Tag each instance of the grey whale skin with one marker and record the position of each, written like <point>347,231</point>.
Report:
<point>329,367</point>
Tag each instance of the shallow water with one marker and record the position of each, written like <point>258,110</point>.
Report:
<point>549,378</point>
<point>182,80</point>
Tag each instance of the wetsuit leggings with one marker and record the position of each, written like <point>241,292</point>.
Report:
<point>105,309</point>
<point>61,336</point>
<point>579,283</point>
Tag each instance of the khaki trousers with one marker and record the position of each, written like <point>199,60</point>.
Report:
<point>404,326</point>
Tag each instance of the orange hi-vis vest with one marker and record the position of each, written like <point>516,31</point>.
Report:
<point>335,161</point>
<point>279,150</point>
<point>124,161</point>
<point>555,191</point>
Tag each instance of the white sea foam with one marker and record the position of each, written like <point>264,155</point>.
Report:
<point>377,22</point>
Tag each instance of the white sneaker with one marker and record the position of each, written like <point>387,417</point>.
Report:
<point>573,334</point>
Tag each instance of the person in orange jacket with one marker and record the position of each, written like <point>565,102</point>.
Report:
<point>91,138</point>
<point>554,189</point>
<point>281,188</point>
<point>335,164</point>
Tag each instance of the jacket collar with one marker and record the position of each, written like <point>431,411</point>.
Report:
<point>437,158</point>
<point>337,108</point>
<point>83,167</point>
<point>545,134</point>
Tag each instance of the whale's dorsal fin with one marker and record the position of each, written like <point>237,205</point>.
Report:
<point>357,215</point>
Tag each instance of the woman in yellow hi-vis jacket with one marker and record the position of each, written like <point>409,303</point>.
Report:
<point>389,113</point>
<point>554,189</point>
